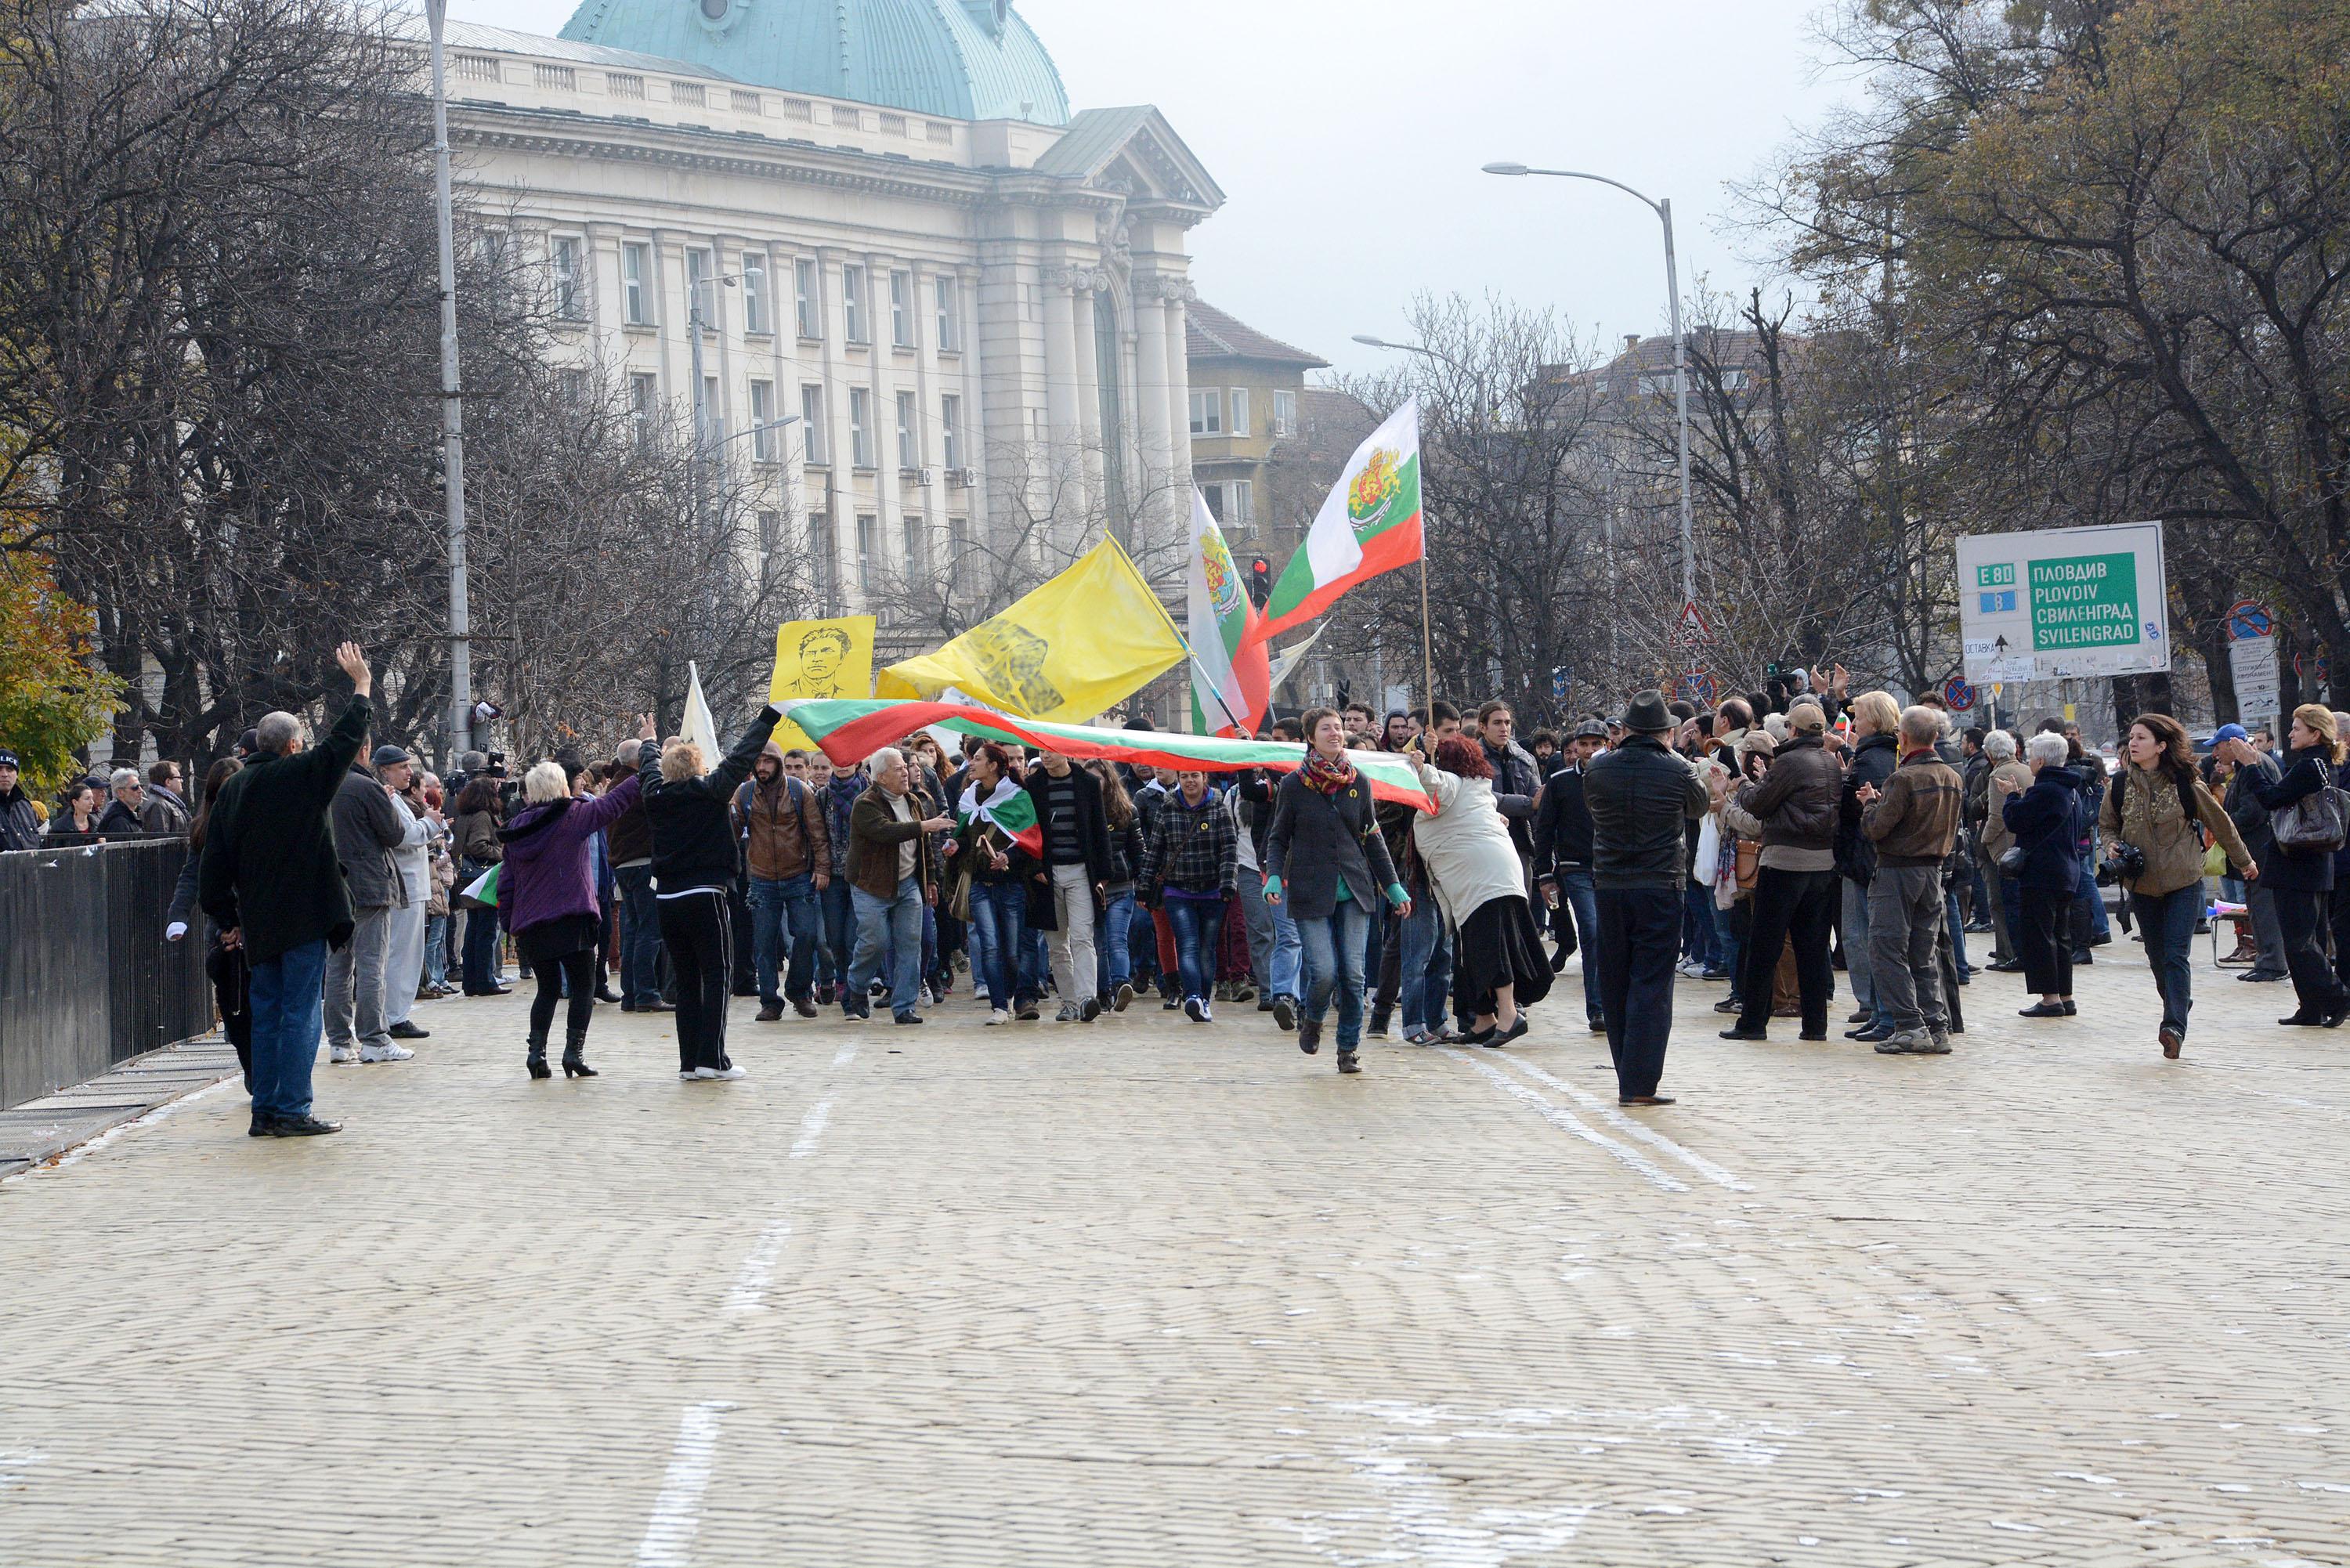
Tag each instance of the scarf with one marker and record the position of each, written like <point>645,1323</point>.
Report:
<point>971,805</point>
<point>1329,777</point>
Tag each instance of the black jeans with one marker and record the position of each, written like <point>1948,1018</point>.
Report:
<point>2302,918</point>
<point>1640,939</point>
<point>1798,904</point>
<point>578,970</point>
<point>698,932</point>
<point>2045,942</point>
<point>2340,919</point>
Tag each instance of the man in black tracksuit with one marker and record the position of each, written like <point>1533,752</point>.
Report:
<point>1561,861</point>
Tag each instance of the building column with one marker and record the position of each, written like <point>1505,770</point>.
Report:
<point>1151,397</point>
<point>1089,421</point>
<point>1178,392</point>
<point>1063,452</point>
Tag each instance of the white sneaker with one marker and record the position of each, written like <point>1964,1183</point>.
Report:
<point>385,1054</point>
<point>998,1016</point>
<point>1067,1014</point>
<point>687,1076</point>
<point>730,1073</point>
<point>701,1075</point>
<point>343,1054</point>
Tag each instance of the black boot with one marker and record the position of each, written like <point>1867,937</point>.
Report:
<point>575,1065</point>
<point>537,1060</point>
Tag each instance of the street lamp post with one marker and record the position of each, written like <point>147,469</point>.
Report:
<point>1664,210</point>
<point>452,407</point>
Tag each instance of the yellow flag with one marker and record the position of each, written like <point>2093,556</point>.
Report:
<point>1078,646</point>
<point>819,659</point>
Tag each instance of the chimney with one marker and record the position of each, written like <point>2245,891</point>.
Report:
<point>1631,341</point>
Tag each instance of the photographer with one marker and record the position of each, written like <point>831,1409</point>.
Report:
<point>2149,819</point>
<point>2303,878</point>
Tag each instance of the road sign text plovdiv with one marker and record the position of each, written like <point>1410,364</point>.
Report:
<point>2064,602</point>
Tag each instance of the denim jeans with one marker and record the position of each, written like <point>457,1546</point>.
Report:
<point>640,936</point>
<point>436,951</point>
<point>1575,892</point>
<point>1259,915</point>
<point>1142,944</point>
<point>1955,924</point>
<point>2166,921</point>
<point>481,950</point>
<point>1288,956</point>
<point>893,924</point>
<point>839,911</point>
<point>1427,943</point>
<point>1114,966</point>
<point>1697,934</point>
<point>1727,949</point>
<point>1858,964</point>
<point>289,1002</point>
<point>1197,922</point>
<point>2092,901</point>
<point>779,908</point>
<point>1335,945</point>
<point>999,926</point>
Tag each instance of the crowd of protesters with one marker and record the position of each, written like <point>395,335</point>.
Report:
<point>1770,843</point>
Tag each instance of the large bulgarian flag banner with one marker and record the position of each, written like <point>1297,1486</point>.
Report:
<point>1232,675</point>
<point>1369,524</point>
<point>849,732</point>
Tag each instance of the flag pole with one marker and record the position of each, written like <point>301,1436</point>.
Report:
<point>1427,639</point>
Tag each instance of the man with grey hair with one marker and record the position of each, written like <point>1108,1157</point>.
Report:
<point>891,876</point>
<point>1913,822</point>
<point>121,817</point>
<point>1991,840</point>
<point>270,881</point>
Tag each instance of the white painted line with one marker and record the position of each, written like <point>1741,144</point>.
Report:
<point>677,1512</point>
<point>1565,1122</point>
<point>1622,1123</point>
<point>845,1056</point>
<point>758,1271</point>
<point>812,1129</point>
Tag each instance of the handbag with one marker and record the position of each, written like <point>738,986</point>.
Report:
<point>2316,823</point>
<point>2010,860</point>
<point>1749,864</point>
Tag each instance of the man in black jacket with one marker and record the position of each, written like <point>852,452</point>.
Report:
<point>1562,839</point>
<point>1796,891</point>
<point>271,882</point>
<point>1640,796</point>
<point>1068,805</point>
<point>20,825</point>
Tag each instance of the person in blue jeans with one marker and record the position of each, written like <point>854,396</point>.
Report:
<point>1190,866</point>
<point>1116,980</point>
<point>273,884</point>
<point>839,790</point>
<point>892,877</point>
<point>786,842</point>
<point>988,854</point>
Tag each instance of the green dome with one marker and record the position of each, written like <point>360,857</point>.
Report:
<point>960,59</point>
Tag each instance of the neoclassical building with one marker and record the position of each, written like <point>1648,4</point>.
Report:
<point>894,228</point>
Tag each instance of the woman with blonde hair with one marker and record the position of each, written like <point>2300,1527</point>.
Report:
<point>546,897</point>
<point>2301,874</point>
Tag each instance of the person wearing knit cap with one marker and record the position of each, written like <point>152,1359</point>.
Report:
<point>1796,890</point>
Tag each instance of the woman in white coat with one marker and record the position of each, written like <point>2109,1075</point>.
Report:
<point>1499,965</point>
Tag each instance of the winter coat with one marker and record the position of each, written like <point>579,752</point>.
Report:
<point>477,838</point>
<point>693,836</point>
<point>783,825</point>
<point>20,825</point>
<point>2046,821</point>
<point>1562,831</point>
<point>875,835</point>
<point>164,812</point>
<point>548,872</point>
<point>2153,819</point>
<point>1796,801</point>
<point>1873,760</point>
<point>118,821</point>
<point>1915,820</point>
<point>413,856</point>
<point>1996,839</point>
<point>369,825</point>
<point>1318,839</point>
<point>630,838</point>
<point>1092,827</point>
<point>1466,846</point>
<point>1640,796</point>
<point>2289,870</point>
<point>270,870</point>
<point>1517,784</point>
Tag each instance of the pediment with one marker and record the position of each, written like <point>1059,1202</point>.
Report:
<point>1134,154</point>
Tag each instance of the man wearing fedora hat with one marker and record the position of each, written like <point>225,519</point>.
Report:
<point>1640,796</point>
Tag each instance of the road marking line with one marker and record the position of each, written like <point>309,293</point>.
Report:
<point>811,1129</point>
<point>1565,1122</point>
<point>845,1056</point>
<point>758,1271</point>
<point>1622,1123</point>
<point>677,1512</point>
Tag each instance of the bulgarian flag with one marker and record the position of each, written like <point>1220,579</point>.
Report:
<point>851,730</point>
<point>1369,524</point>
<point>1011,811</point>
<point>484,890</point>
<point>1231,674</point>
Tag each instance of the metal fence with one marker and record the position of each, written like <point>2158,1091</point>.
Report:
<point>86,977</point>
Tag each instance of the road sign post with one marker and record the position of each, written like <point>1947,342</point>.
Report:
<point>2062,603</point>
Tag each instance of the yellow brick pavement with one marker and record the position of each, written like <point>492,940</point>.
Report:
<point>1152,1293</point>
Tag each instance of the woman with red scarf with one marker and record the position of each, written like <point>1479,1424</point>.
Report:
<point>1326,861</point>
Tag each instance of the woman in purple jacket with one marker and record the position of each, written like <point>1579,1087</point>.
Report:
<point>546,897</point>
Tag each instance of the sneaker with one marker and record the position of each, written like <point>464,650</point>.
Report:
<point>908,1020</point>
<point>386,1053</point>
<point>1728,1004</point>
<point>1284,1011</point>
<point>998,1016</point>
<point>1906,1042</point>
<point>1938,1044</point>
<point>1195,1010</point>
<point>1264,1003</point>
<point>1124,999</point>
<point>341,1054</point>
<point>1090,1010</point>
<point>303,1125</point>
<point>404,1030</point>
<point>1869,1033</point>
<point>686,1075</point>
<point>729,1071</point>
<point>1067,1014</point>
<point>1171,1004</point>
<point>1243,992</point>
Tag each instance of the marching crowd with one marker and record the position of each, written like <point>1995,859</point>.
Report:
<point>1767,843</point>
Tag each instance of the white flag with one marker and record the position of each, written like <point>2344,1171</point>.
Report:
<point>700,727</point>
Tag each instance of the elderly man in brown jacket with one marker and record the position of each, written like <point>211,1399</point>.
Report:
<point>1914,822</point>
<point>891,876</point>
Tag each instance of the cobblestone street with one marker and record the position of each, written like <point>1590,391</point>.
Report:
<point>1146,1293</point>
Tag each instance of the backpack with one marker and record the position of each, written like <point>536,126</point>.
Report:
<point>795,791</point>
<point>2186,795</point>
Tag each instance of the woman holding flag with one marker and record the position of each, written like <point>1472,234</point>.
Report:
<point>994,844</point>
<point>1327,863</point>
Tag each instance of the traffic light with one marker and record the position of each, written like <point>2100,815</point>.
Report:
<point>1260,582</point>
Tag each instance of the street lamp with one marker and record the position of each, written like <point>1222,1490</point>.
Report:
<point>452,407</point>
<point>1664,210</point>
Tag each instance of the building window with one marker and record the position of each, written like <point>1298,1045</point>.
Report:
<point>844,115</point>
<point>852,301</point>
<point>1284,413</point>
<point>893,124</point>
<point>770,531</point>
<point>1208,414</point>
<point>860,428</point>
<point>910,444</point>
<point>563,78</point>
<point>958,546</point>
<point>918,550</point>
<point>901,309</point>
<point>624,84</point>
<point>1214,494</point>
<point>950,304</point>
<point>807,297</point>
<point>799,108</point>
<point>754,292</point>
<point>636,284</point>
<point>744,102</point>
<point>812,434</point>
<point>700,287</point>
<point>868,527</point>
<point>1243,503</point>
<point>824,557</point>
<point>573,386</point>
<point>714,415</point>
<point>762,421</point>
<point>689,94</point>
<point>564,259</point>
<point>939,132</point>
<point>1241,423</point>
<point>490,248</point>
<point>950,431</point>
<point>644,402</point>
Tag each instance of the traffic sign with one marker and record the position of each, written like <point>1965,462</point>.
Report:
<point>1690,629</point>
<point>1697,686</point>
<point>1561,682</point>
<point>2249,619</point>
<point>1958,694</point>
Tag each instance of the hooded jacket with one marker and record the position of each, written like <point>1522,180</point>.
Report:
<point>547,873</point>
<point>783,825</point>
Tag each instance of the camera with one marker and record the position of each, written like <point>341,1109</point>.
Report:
<point>2124,863</point>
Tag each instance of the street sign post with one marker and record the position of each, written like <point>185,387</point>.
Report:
<point>1696,687</point>
<point>2064,602</point>
<point>1958,694</point>
<point>1690,628</point>
<point>2253,660</point>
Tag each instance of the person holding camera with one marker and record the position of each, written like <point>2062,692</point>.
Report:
<point>2152,819</point>
<point>2301,874</point>
<point>2045,817</point>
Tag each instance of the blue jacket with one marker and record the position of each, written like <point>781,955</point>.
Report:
<point>2047,822</point>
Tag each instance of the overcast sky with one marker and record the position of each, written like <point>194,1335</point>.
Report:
<point>1348,136</point>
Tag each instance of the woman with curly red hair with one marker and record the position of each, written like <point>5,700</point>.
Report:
<point>1499,966</point>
